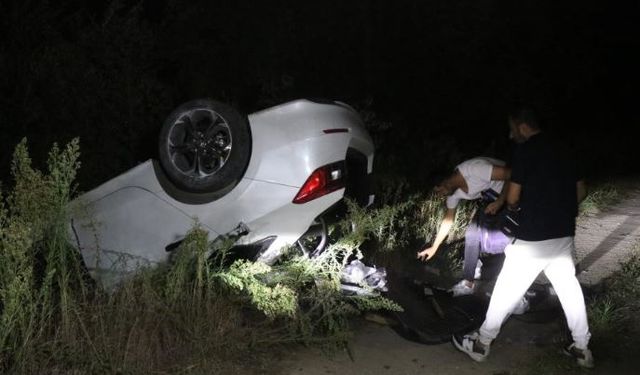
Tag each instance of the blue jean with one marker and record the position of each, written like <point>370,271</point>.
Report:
<point>480,238</point>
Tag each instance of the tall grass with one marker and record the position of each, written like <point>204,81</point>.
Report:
<point>394,231</point>
<point>599,197</point>
<point>191,315</point>
<point>53,320</point>
<point>41,274</point>
<point>614,311</point>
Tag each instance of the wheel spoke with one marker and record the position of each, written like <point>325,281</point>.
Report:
<point>215,128</point>
<point>196,163</point>
<point>184,162</point>
<point>208,164</point>
<point>178,135</point>
<point>192,126</point>
<point>180,149</point>
<point>202,120</point>
<point>200,143</point>
<point>189,128</point>
<point>213,118</point>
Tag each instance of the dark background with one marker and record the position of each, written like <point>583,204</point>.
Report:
<point>434,78</point>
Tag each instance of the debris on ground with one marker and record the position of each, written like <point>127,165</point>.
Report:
<point>361,279</point>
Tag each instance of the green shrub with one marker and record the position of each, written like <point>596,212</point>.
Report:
<point>614,312</point>
<point>306,292</point>
<point>192,314</point>
<point>395,231</point>
<point>189,315</point>
<point>599,197</point>
<point>41,276</point>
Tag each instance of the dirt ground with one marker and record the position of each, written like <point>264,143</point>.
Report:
<point>603,240</point>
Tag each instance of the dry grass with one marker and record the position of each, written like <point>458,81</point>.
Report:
<point>600,197</point>
<point>190,316</point>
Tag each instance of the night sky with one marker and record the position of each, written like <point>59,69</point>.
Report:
<point>441,73</point>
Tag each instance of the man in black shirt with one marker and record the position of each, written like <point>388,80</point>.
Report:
<point>545,191</point>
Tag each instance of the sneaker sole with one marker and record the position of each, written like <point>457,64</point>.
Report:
<point>580,362</point>
<point>460,294</point>
<point>474,356</point>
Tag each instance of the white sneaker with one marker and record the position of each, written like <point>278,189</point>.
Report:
<point>471,345</point>
<point>462,289</point>
<point>522,307</point>
<point>478,272</point>
<point>583,357</point>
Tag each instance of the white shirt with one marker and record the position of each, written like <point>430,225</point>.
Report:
<point>477,173</point>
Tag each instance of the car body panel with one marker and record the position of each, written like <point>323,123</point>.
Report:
<point>136,218</point>
<point>297,128</point>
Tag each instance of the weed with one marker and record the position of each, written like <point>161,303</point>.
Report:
<point>41,274</point>
<point>613,320</point>
<point>192,314</point>
<point>552,363</point>
<point>306,291</point>
<point>613,312</point>
<point>599,197</point>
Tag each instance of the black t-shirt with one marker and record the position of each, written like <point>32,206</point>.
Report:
<point>548,174</point>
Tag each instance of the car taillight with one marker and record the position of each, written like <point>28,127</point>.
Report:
<point>322,181</point>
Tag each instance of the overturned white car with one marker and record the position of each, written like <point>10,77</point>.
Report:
<point>269,178</point>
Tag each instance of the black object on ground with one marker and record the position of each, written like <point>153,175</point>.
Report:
<point>432,317</point>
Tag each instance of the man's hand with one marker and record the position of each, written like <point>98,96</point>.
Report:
<point>493,207</point>
<point>427,253</point>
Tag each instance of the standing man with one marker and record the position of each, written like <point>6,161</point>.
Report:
<point>467,182</point>
<point>545,190</point>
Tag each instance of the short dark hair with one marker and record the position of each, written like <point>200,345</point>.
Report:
<point>439,177</point>
<point>525,114</point>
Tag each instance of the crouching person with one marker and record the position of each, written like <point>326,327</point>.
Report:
<point>467,182</point>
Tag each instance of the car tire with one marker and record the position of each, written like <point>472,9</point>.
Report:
<point>205,146</point>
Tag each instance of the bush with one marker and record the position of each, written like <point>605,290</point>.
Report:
<point>41,275</point>
<point>599,197</point>
<point>190,315</point>
<point>614,311</point>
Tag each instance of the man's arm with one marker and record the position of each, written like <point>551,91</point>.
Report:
<point>499,173</point>
<point>443,231</point>
<point>513,195</point>
<point>581,190</point>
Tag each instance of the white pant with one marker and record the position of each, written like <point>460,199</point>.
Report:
<point>524,260</point>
